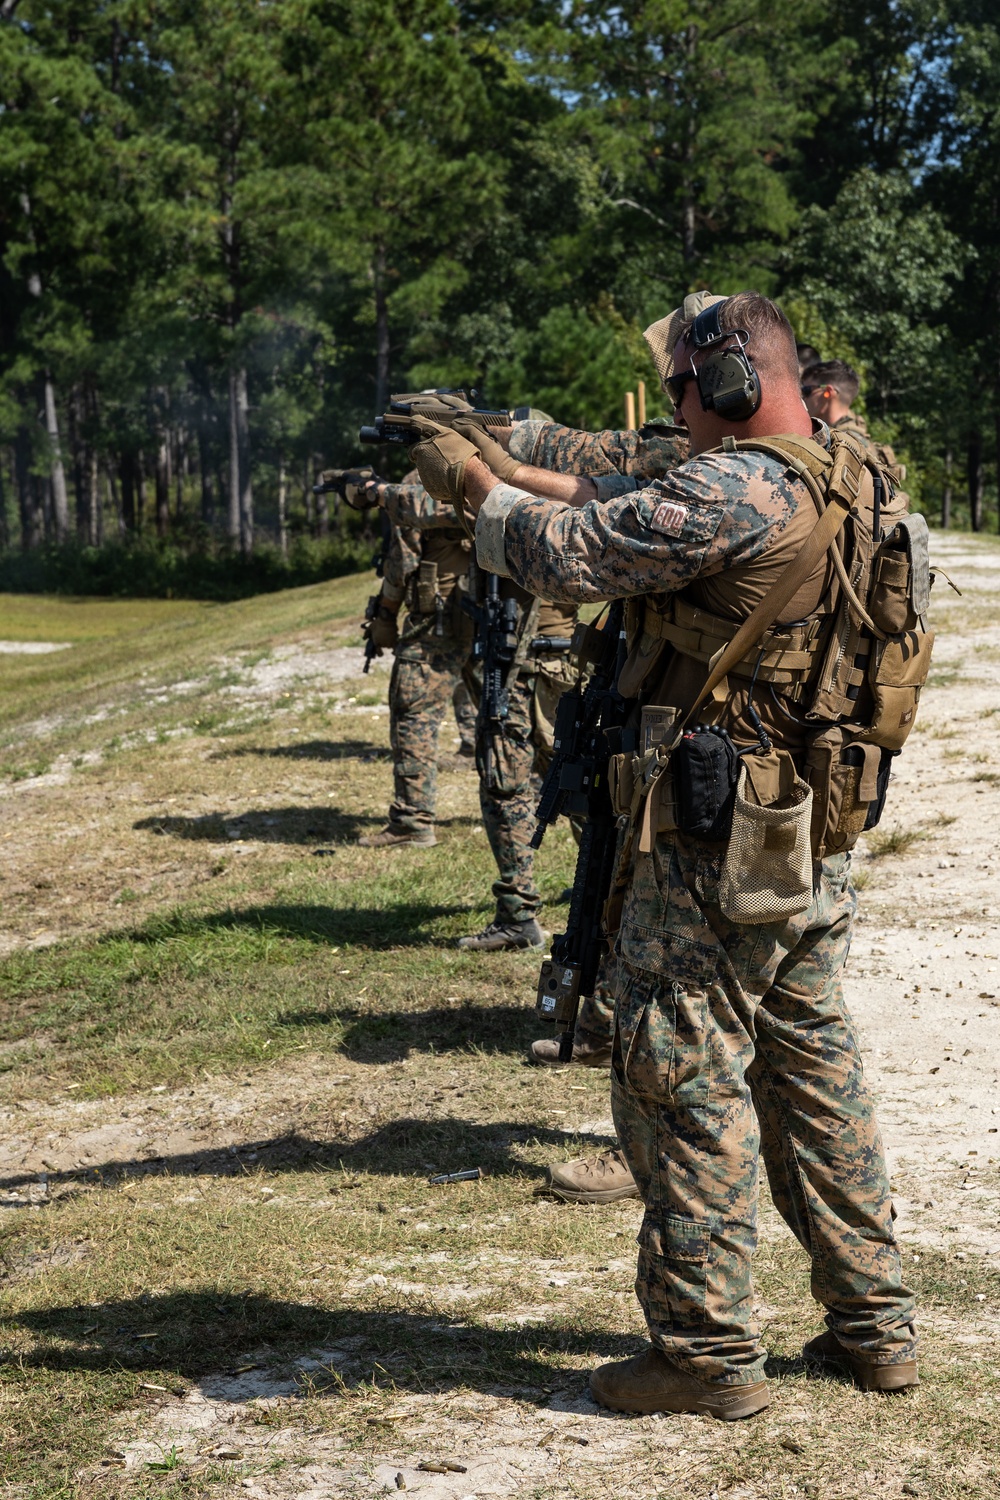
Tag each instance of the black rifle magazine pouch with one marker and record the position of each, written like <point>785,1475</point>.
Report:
<point>706,769</point>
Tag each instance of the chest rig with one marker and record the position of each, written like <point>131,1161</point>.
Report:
<point>849,676</point>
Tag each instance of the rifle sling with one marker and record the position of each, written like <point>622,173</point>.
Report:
<point>523,644</point>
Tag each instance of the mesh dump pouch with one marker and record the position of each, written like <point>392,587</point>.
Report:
<point>768,869</point>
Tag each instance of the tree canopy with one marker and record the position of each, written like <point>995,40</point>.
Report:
<point>228,231</point>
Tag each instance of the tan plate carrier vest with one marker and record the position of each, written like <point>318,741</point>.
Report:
<point>854,670</point>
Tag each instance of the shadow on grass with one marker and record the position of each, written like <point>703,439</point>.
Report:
<point>397,926</point>
<point>276,825</point>
<point>309,750</point>
<point>200,1333</point>
<point>409,1147</point>
<point>395,1035</point>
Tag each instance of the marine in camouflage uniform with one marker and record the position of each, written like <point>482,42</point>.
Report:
<point>619,463</point>
<point>520,753</point>
<point>731,1042</point>
<point>433,654</point>
<point>430,662</point>
<point>829,387</point>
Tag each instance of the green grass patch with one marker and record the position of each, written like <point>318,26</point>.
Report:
<point>893,840</point>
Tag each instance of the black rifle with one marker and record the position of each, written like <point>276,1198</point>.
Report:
<point>589,729</point>
<point>371,650</point>
<point>494,647</point>
<point>338,481</point>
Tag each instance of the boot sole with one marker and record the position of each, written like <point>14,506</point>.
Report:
<point>574,1062</point>
<point>399,844</point>
<point>569,1195</point>
<point>472,946</point>
<point>886,1378</point>
<point>745,1401</point>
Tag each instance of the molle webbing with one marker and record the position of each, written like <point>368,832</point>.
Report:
<point>786,657</point>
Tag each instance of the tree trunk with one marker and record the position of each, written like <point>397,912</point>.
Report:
<point>310,500</point>
<point>162,483</point>
<point>4,528</point>
<point>243,449</point>
<point>140,492</point>
<point>383,346</point>
<point>114,499</point>
<point>57,478</point>
<point>976,481</point>
<point>205,474</point>
<point>128,491</point>
<point>180,471</point>
<point>95,529</point>
<point>946,492</point>
<point>322,502</point>
<point>690,190</point>
<point>282,508</point>
<point>78,459</point>
<point>27,495</point>
<point>233,496</point>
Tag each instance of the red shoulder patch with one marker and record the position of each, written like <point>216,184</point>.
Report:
<point>669,518</point>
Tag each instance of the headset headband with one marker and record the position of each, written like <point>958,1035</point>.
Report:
<point>706,329</point>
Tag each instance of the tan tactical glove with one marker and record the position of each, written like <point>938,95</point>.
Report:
<point>490,451</point>
<point>380,626</point>
<point>441,457</point>
<point>354,486</point>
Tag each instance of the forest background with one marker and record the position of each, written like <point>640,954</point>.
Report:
<point>229,230</point>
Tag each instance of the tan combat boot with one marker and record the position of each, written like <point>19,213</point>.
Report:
<point>593,1179</point>
<point>867,1371</point>
<point>588,1052</point>
<point>395,838</point>
<point>650,1382</point>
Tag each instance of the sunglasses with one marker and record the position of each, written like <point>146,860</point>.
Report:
<point>674,386</point>
<point>807,390</point>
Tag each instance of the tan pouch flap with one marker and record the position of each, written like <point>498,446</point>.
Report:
<point>769,778</point>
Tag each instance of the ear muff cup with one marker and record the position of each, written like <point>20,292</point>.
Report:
<point>727,381</point>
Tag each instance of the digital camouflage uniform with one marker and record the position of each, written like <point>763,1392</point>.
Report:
<point>606,457</point>
<point>721,1025</point>
<point>429,666</point>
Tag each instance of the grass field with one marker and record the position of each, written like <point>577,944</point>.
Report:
<point>234,1047</point>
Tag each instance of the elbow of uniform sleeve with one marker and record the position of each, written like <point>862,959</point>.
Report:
<point>491,526</point>
<point>523,438</point>
<point>610,486</point>
<point>392,593</point>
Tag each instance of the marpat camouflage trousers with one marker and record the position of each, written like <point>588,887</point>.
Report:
<point>508,802</point>
<point>425,675</point>
<point>733,1042</point>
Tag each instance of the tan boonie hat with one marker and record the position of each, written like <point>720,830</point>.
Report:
<point>662,336</point>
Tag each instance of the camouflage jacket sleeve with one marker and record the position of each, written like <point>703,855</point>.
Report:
<point>401,560</point>
<point>717,512</point>
<point>409,507</point>
<point>651,452</point>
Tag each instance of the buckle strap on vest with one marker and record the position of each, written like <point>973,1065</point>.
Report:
<point>816,545</point>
